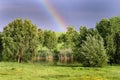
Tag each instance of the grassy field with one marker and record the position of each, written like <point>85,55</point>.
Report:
<point>27,71</point>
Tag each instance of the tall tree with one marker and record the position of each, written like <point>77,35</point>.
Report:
<point>22,35</point>
<point>117,45</point>
<point>109,29</point>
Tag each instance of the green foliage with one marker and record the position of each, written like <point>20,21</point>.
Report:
<point>115,24</point>
<point>92,52</point>
<point>50,39</point>
<point>110,48</point>
<point>68,38</point>
<point>80,38</point>
<point>9,49</point>
<point>62,38</point>
<point>103,28</point>
<point>83,33</point>
<point>109,30</point>
<point>56,55</point>
<point>117,47</point>
<point>20,40</point>
<point>41,37</point>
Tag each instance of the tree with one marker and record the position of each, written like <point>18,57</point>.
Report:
<point>23,36</point>
<point>115,31</point>
<point>50,39</point>
<point>80,38</point>
<point>109,29</point>
<point>104,29</point>
<point>110,48</point>
<point>92,52</point>
<point>68,38</point>
<point>117,47</point>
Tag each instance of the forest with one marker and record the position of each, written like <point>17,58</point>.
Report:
<point>22,41</point>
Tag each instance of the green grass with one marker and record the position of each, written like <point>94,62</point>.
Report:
<point>27,71</point>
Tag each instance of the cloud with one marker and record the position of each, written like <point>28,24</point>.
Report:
<point>75,12</point>
<point>87,12</point>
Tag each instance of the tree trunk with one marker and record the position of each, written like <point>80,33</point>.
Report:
<point>32,58</point>
<point>20,55</point>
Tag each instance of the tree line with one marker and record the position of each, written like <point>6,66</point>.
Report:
<point>21,40</point>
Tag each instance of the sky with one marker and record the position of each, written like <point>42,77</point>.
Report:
<point>72,12</point>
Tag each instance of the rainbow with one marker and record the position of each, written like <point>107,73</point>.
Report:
<point>59,21</point>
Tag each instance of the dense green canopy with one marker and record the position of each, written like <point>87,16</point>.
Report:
<point>20,41</point>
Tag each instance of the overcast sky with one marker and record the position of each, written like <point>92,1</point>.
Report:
<point>74,12</point>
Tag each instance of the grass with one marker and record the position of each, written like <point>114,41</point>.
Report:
<point>37,71</point>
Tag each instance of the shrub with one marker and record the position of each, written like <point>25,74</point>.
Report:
<point>93,53</point>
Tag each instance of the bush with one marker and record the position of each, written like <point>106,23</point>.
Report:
<point>93,53</point>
